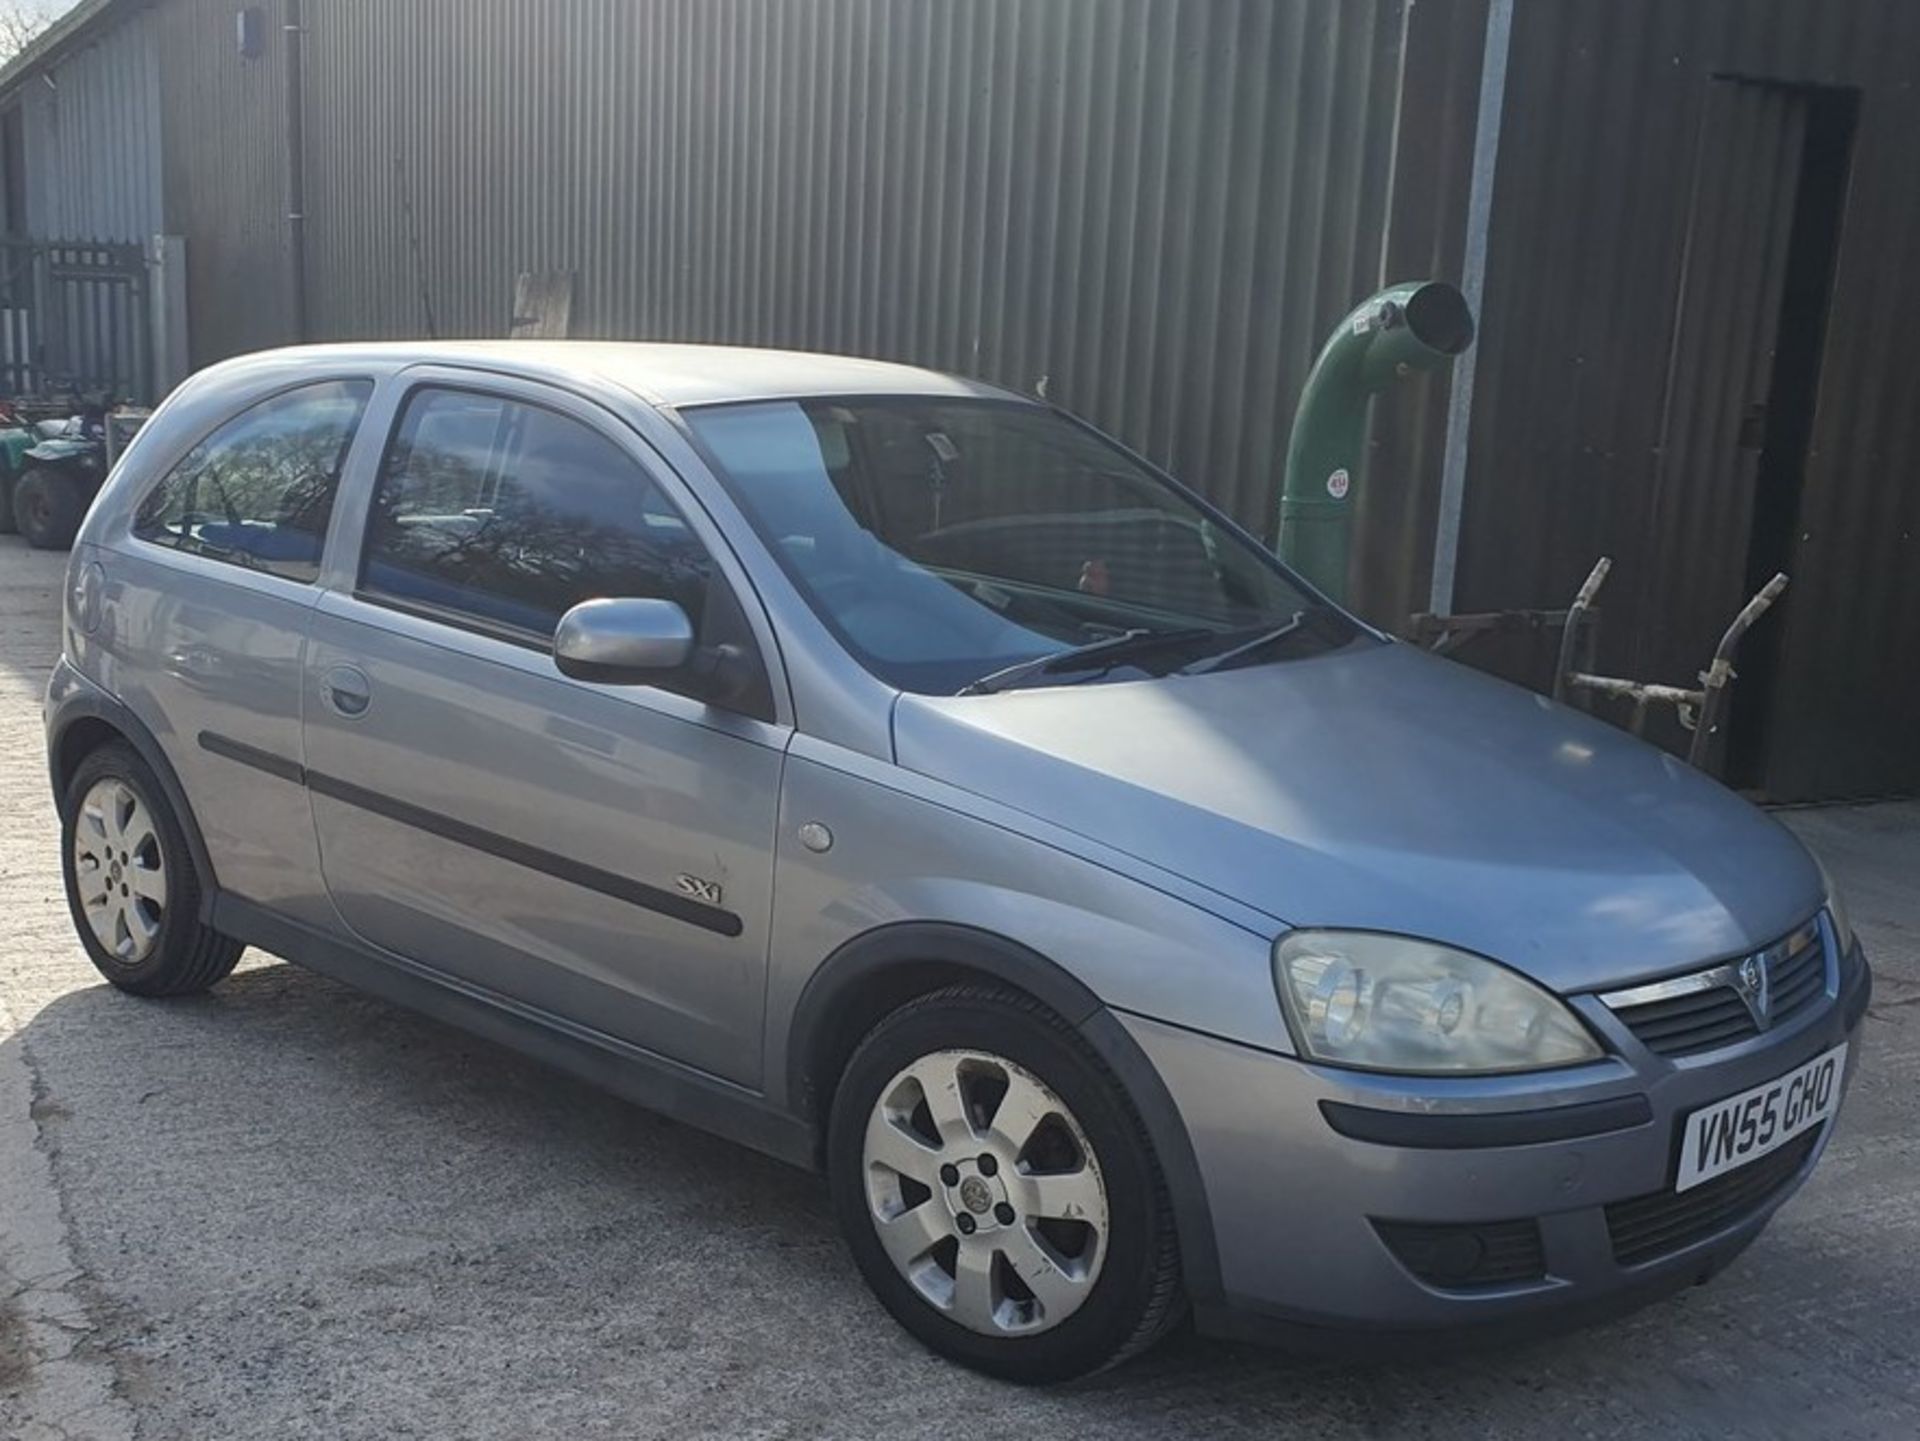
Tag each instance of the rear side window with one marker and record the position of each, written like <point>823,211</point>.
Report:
<point>258,492</point>
<point>503,514</point>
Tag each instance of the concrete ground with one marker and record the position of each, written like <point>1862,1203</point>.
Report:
<point>284,1210</point>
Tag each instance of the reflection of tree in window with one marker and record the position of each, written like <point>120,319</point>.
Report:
<point>259,492</point>
<point>548,514</point>
<point>445,452</point>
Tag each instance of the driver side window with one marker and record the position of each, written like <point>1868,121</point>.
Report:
<point>502,515</point>
<point>258,492</point>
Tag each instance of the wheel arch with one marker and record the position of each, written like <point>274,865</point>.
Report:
<point>882,969</point>
<point>86,719</point>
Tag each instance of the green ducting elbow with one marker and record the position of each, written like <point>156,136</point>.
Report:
<point>1405,328</point>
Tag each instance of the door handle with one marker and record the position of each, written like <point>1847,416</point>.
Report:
<point>346,691</point>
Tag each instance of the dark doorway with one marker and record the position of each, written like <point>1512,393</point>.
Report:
<point>1762,225</point>
<point>1831,116</point>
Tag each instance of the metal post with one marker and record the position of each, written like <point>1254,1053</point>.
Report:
<point>167,297</point>
<point>1486,154</point>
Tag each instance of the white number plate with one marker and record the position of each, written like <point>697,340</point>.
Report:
<point>1745,1127</point>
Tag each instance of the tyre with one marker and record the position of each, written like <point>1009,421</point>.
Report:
<point>997,1190</point>
<point>47,507</point>
<point>131,883</point>
<point>7,477</point>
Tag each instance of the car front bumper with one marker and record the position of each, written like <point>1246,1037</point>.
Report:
<point>1295,1205</point>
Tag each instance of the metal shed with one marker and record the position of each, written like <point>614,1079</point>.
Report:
<point>1155,209</point>
<point>1697,284</point>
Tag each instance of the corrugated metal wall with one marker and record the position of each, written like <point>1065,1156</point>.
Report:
<point>225,170</point>
<point>1398,497</point>
<point>1605,106</point>
<point>92,139</point>
<point>1157,208</point>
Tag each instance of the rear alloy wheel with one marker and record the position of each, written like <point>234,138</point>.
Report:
<point>131,882</point>
<point>47,507</point>
<point>119,870</point>
<point>997,1190</point>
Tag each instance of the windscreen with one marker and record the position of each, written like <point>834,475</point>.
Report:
<point>946,540</point>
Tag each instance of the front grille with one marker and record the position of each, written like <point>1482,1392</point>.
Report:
<point>1713,1013</point>
<point>1465,1257</point>
<point>1647,1227</point>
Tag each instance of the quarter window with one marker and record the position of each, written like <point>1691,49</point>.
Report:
<point>258,492</point>
<point>507,515</point>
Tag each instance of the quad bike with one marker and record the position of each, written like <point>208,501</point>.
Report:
<point>63,470</point>
<point>16,438</point>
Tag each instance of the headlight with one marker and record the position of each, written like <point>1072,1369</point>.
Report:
<point>1836,909</point>
<point>1392,1003</point>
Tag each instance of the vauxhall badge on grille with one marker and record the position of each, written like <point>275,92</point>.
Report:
<point>1750,980</point>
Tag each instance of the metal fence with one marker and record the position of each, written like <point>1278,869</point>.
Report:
<point>74,317</point>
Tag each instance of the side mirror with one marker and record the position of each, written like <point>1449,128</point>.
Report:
<point>623,642</point>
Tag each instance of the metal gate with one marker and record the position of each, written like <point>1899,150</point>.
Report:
<point>74,318</point>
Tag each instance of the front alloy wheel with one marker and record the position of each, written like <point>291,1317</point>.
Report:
<point>998,1191</point>
<point>985,1192</point>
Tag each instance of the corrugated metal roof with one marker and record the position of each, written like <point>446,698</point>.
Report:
<point>84,19</point>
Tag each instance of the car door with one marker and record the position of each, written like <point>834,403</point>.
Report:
<point>209,591</point>
<point>602,853</point>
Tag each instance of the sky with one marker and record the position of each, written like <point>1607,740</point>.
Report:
<point>21,20</point>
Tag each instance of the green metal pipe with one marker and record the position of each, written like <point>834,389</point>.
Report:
<point>1421,325</point>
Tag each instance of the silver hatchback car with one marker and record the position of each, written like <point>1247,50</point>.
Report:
<point>895,775</point>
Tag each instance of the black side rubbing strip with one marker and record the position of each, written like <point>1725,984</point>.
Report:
<point>247,755</point>
<point>592,878</point>
<point>1428,1132</point>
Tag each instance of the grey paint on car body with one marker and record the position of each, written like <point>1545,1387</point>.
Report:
<point>1381,789</point>
<point>896,858</point>
<point>1150,839</point>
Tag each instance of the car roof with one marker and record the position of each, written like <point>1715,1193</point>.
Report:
<point>670,375</point>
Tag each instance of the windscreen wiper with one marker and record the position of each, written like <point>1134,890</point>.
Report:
<point>1101,654</point>
<point>1246,648</point>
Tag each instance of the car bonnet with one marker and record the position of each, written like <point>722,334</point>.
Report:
<point>1380,788</point>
